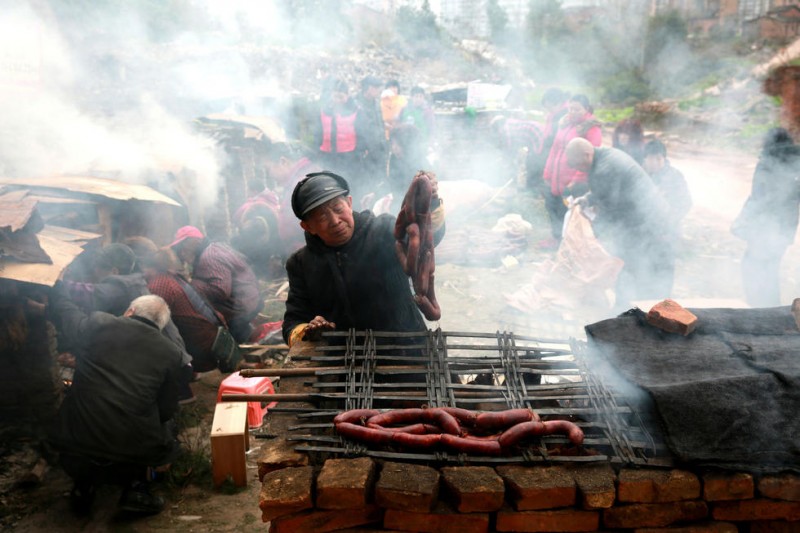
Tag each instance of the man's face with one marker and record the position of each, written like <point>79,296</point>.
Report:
<point>372,92</point>
<point>332,221</point>
<point>575,110</point>
<point>418,100</point>
<point>653,163</point>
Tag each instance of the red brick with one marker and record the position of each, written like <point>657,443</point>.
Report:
<point>538,487</point>
<point>759,509</point>
<point>656,486</point>
<point>320,521</point>
<point>596,488</point>
<point>702,527</point>
<point>555,520</point>
<point>362,529</point>
<point>780,487</point>
<point>441,520</point>
<point>773,526</point>
<point>474,488</point>
<point>367,529</point>
<point>286,491</point>
<point>278,454</point>
<point>670,316</point>
<point>345,483</point>
<point>719,487</point>
<point>407,487</point>
<point>654,514</point>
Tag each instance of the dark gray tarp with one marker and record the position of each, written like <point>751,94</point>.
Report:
<point>728,395</point>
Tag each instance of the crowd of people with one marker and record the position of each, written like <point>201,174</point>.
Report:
<point>638,199</point>
<point>379,138</point>
<point>141,321</point>
<point>138,328</point>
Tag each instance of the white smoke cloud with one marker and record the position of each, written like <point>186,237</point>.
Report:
<point>52,125</point>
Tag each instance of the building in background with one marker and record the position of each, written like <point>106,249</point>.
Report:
<point>757,19</point>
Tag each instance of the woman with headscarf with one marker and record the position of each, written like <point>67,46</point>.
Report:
<point>578,122</point>
<point>768,220</point>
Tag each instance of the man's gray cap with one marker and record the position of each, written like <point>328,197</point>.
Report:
<point>316,189</point>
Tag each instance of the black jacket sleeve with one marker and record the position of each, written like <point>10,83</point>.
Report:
<point>299,306</point>
<point>168,394</point>
<point>70,321</point>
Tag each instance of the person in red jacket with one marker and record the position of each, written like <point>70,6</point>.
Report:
<point>338,137</point>
<point>554,101</point>
<point>578,122</point>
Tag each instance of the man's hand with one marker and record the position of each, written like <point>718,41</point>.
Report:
<point>315,327</point>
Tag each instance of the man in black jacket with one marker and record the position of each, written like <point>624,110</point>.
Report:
<point>347,275</point>
<point>631,219</point>
<point>116,418</point>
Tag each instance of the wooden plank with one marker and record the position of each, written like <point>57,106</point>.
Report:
<point>230,440</point>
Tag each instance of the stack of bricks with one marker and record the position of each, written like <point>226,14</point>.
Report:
<point>365,495</point>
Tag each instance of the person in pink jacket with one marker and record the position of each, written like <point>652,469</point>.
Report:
<point>558,175</point>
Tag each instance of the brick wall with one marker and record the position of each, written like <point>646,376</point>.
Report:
<point>363,494</point>
<point>344,494</point>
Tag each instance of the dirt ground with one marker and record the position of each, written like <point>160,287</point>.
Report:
<point>473,298</point>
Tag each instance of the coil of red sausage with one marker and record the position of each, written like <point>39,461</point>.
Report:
<point>450,426</point>
<point>414,246</point>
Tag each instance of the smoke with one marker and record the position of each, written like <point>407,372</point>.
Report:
<point>72,106</point>
<point>112,88</point>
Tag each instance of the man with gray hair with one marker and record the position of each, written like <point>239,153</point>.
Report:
<point>631,220</point>
<point>116,418</point>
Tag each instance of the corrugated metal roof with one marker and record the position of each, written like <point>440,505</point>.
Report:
<point>116,190</point>
<point>57,200</point>
<point>16,210</point>
<point>69,235</point>
<point>269,126</point>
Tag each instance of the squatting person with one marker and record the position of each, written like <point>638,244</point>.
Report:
<point>117,417</point>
